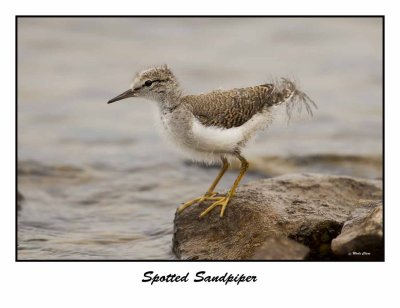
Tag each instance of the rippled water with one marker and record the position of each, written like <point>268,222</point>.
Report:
<point>98,180</point>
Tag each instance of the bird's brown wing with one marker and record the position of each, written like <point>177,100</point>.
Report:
<point>231,108</point>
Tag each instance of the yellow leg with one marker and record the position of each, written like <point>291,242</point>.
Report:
<point>210,194</point>
<point>225,166</point>
<point>224,201</point>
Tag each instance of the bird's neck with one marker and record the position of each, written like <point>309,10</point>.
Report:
<point>170,100</point>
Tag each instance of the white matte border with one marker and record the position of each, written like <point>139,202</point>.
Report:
<point>281,284</point>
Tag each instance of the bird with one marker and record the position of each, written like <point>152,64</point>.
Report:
<point>214,126</point>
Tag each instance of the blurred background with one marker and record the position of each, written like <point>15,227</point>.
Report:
<point>97,181</point>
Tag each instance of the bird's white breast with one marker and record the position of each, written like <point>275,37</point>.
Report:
<point>208,142</point>
<point>218,139</point>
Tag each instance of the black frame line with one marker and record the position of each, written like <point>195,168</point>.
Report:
<point>382,17</point>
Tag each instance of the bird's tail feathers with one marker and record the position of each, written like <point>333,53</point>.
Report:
<point>287,92</point>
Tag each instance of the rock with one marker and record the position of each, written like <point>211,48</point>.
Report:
<point>362,236</point>
<point>275,248</point>
<point>308,208</point>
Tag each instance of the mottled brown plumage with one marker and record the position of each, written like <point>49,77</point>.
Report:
<point>231,108</point>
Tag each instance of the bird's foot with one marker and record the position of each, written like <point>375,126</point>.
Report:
<point>206,197</point>
<point>223,201</point>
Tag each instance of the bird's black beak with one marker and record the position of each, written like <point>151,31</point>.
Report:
<point>126,94</point>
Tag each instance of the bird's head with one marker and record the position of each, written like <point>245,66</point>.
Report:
<point>157,83</point>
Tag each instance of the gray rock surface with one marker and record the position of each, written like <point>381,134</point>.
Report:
<point>362,236</point>
<point>281,248</point>
<point>308,208</point>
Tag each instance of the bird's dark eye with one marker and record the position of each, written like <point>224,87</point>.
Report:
<point>148,83</point>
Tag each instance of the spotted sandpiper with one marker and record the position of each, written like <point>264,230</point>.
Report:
<point>216,125</point>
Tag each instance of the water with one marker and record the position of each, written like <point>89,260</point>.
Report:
<point>98,180</point>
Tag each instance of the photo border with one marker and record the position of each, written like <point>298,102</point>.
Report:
<point>17,17</point>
